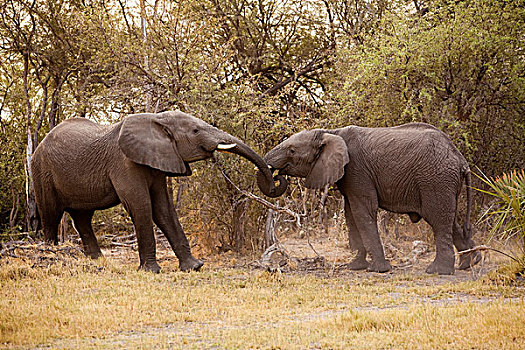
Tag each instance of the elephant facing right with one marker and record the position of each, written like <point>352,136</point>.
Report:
<point>412,169</point>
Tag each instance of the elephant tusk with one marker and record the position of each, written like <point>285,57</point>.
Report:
<point>255,168</point>
<point>225,147</point>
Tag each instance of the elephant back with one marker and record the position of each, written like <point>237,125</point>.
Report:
<point>76,144</point>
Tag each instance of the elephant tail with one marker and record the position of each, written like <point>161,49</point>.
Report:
<point>467,229</point>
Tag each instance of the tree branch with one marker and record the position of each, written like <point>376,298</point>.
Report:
<point>484,247</point>
<point>264,202</point>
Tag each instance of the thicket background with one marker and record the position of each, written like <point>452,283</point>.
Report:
<point>261,70</point>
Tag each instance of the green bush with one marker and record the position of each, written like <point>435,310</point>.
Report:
<point>508,211</point>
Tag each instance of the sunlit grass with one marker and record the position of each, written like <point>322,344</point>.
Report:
<point>101,304</point>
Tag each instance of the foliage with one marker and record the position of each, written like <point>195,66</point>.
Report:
<point>459,66</point>
<point>508,211</point>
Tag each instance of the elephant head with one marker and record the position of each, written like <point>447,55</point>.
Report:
<point>169,141</point>
<point>316,155</point>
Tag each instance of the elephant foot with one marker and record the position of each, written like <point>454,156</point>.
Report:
<point>190,264</point>
<point>440,268</point>
<point>468,260</point>
<point>358,264</point>
<point>150,267</point>
<point>382,266</point>
<point>93,254</point>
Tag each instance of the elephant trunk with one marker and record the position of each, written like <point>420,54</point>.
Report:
<point>265,179</point>
<point>262,182</point>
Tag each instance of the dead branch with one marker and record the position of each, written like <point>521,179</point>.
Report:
<point>483,248</point>
<point>131,244</point>
<point>123,238</point>
<point>310,243</point>
<point>32,250</point>
<point>264,202</point>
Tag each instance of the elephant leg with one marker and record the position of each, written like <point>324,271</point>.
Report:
<point>354,239</point>
<point>50,222</point>
<point>50,215</point>
<point>461,243</point>
<point>364,212</point>
<point>439,210</point>
<point>443,263</point>
<point>137,202</point>
<point>165,217</point>
<point>82,223</point>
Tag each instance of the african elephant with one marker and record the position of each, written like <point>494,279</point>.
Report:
<point>81,166</point>
<point>413,168</point>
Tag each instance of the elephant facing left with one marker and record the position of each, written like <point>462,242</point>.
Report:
<point>81,166</point>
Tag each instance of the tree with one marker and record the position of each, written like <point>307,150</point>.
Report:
<point>45,48</point>
<point>460,66</point>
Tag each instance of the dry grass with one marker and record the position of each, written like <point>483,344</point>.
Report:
<point>78,303</point>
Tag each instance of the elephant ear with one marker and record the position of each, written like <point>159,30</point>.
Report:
<point>145,139</point>
<point>330,164</point>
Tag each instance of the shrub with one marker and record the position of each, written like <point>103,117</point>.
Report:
<point>508,211</point>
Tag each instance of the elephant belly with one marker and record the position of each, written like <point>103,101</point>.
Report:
<point>400,208</point>
<point>88,196</point>
<point>401,202</point>
<point>97,202</point>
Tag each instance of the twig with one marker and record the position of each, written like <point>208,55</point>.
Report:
<point>14,243</point>
<point>123,238</point>
<point>484,247</point>
<point>129,245</point>
<point>310,244</point>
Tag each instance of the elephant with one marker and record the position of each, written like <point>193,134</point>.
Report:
<point>412,169</point>
<point>82,166</point>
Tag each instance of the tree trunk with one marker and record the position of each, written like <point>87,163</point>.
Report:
<point>143,26</point>
<point>323,212</point>
<point>180,191</point>
<point>269,230</point>
<point>13,215</point>
<point>239,219</point>
<point>32,213</point>
<point>63,228</point>
<point>52,117</point>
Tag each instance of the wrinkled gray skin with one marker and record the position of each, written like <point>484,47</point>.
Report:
<point>81,166</point>
<point>413,169</point>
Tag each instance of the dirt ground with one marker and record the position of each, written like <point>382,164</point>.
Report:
<point>324,254</point>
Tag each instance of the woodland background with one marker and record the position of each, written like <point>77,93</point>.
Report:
<point>261,70</point>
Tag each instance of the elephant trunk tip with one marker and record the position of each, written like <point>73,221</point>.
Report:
<point>268,187</point>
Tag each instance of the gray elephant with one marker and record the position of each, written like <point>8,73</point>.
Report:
<point>81,166</point>
<point>413,169</point>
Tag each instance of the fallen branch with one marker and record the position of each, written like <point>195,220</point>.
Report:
<point>29,250</point>
<point>484,247</point>
<point>130,244</point>
<point>123,238</point>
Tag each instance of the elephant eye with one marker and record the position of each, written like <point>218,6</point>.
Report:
<point>195,131</point>
<point>292,151</point>
<point>168,132</point>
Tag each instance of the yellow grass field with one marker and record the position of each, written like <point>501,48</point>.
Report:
<point>54,298</point>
